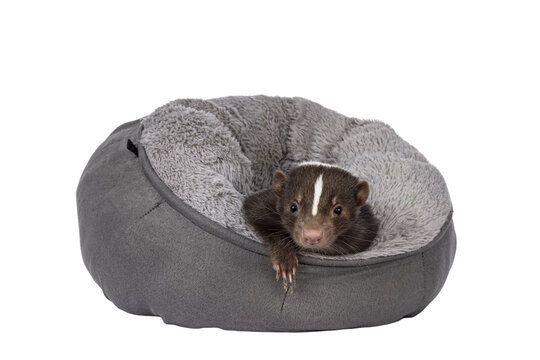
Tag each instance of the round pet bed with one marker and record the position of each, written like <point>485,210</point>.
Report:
<point>161,229</point>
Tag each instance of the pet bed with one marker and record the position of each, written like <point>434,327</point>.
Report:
<point>162,232</point>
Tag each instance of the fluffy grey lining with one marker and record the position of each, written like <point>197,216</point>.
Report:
<point>212,153</point>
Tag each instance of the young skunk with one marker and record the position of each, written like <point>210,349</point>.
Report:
<point>317,207</point>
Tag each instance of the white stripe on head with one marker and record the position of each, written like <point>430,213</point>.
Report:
<point>317,195</point>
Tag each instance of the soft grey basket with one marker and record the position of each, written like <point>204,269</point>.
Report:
<point>152,253</point>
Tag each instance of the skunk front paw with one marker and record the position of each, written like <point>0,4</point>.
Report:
<point>285,264</point>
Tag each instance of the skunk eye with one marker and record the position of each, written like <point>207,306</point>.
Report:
<point>337,210</point>
<point>294,207</point>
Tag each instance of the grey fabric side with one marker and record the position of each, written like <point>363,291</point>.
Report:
<point>111,197</point>
<point>437,262</point>
<point>152,259</point>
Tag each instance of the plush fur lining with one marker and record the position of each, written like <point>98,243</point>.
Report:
<point>212,153</point>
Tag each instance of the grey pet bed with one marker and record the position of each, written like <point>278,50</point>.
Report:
<point>162,234</point>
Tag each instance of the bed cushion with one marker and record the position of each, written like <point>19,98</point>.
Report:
<point>162,233</point>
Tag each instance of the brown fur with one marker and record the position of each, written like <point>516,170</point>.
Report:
<point>268,212</point>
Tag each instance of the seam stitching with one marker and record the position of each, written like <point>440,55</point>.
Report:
<point>156,205</point>
<point>284,298</point>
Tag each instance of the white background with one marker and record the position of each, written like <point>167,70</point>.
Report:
<point>460,80</point>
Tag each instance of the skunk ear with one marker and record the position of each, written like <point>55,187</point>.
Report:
<point>362,192</point>
<point>278,183</point>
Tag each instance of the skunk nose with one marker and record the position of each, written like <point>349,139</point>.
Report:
<point>312,236</point>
